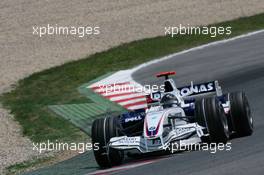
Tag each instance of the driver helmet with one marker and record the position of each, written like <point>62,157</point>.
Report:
<point>169,100</point>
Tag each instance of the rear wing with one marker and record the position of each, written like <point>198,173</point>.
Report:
<point>201,89</point>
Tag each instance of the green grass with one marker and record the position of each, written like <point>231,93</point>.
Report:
<point>28,101</point>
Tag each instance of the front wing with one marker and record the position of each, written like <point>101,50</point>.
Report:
<point>187,134</point>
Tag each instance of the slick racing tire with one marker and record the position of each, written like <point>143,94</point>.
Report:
<point>240,114</point>
<point>103,130</point>
<point>210,114</point>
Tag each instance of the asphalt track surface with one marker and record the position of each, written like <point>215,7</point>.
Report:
<point>238,65</point>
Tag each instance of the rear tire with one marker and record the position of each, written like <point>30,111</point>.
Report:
<point>210,114</point>
<point>240,114</point>
<point>103,130</point>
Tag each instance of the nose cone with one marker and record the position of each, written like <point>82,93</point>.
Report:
<point>153,126</point>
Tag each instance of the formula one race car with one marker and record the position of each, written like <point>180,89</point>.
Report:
<point>192,114</point>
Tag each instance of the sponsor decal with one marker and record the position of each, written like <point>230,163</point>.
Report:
<point>198,89</point>
<point>153,128</point>
<point>131,119</point>
<point>129,141</point>
<point>156,95</point>
<point>181,131</point>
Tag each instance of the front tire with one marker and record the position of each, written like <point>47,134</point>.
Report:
<point>210,114</point>
<point>103,130</point>
<point>240,114</point>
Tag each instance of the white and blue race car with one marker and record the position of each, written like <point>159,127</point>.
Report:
<point>192,114</point>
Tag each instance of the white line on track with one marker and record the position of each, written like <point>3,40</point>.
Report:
<point>123,167</point>
<point>125,75</point>
<point>190,50</point>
